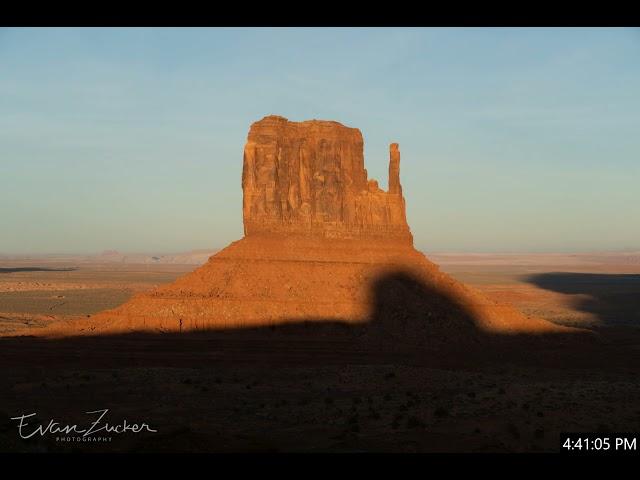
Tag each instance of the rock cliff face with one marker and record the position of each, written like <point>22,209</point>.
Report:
<point>323,243</point>
<point>308,178</point>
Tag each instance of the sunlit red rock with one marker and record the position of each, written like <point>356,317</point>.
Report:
<point>308,178</point>
<point>323,243</point>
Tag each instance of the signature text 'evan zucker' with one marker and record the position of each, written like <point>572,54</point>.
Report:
<point>97,426</point>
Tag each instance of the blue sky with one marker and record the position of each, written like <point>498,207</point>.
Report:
<point>131,139</point>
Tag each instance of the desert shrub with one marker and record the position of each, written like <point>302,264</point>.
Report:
<point>414,422</point>
<point>441,412</point>
<point>374,415</point>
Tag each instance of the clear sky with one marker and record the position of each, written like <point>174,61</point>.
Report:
<point>132,139</point>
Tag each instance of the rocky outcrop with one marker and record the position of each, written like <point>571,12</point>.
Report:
<point>323,243</point>
<point>308,178</point>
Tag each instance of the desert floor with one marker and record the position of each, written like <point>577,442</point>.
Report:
<point>287,392</point>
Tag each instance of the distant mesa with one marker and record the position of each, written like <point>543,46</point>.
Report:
<point>193,257</point>
<point>322,243</point>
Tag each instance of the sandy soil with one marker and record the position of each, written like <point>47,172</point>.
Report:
<point>300,391</point>
<point>575,290</point>
<point>36,292</point>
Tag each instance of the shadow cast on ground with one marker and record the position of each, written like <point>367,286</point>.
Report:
<point>411,322</point>
<point>419,376</point>
<point>36,269</point>
<point>613,299</point>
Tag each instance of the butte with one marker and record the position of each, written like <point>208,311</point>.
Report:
<point>322,243</point>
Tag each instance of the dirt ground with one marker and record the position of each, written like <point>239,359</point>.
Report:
<point>37,292</point>
<point>298,391</point>
<point>579,292</point>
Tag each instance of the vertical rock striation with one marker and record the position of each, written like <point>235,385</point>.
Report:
<point>308,178</point>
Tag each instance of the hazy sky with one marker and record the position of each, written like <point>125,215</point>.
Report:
<point>132,139</point>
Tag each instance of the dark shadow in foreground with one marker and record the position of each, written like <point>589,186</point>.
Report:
<point>405,381</point>
<point>411,320</point>
<point>614,299</point>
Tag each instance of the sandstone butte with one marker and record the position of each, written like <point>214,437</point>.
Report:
<point>322,243</point>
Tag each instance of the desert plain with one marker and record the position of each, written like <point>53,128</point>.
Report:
<point>251,392</point>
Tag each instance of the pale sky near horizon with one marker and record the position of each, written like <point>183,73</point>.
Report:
<point>512,140</point>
